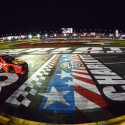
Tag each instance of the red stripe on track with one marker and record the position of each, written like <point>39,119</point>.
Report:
<point>76,60</point>
<point>75,57</point>
<point>84,79</point>
<point>82,68</point>
<point>83,73</point>
<point>93,97</point>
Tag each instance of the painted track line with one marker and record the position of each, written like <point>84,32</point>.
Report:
<point>106,57</point>
<point>115,63</point>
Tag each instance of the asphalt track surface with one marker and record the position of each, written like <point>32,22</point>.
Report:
<point>66,88</point>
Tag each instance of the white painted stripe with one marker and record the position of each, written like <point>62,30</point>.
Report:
<point>92,61</point>
<point>48,70</point>
<point>46,73</point>
<point>39,84</point>
<point>13,101</point>
<point>111,82</point>
<point>115,63</point>
<point>77,52</point>
<point>61,49</point>
<point>114,51</point>
<point>33,92</point>
<point>106,57</point>
<point>81,75</point>
<point>84,104</point>
<point>30,50</point>
<point>55,52</point>
<point>96,48</point>
<point>115,48</point>
<point>96,51</point>
<point>26,102</point>
<point>40,69</point>
<point>86,85</point>
<point>42,77</point>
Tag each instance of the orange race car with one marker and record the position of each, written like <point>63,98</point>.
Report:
<point>12,65</point>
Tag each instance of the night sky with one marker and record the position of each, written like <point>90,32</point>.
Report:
<point>34,16</point>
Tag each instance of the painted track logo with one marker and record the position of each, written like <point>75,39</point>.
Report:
<point>73,65</point>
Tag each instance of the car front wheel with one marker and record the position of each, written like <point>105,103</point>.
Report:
<point>11,69</point>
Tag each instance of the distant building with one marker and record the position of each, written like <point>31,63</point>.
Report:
<point>122,37</point>
<point>116,33</point>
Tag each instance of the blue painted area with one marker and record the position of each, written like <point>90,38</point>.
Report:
<point>61,86</point>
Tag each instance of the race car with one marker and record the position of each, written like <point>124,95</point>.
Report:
<point>12,65</point>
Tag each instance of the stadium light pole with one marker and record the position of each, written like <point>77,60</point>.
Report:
<point>38,36</point>
<point>9,38</point>
<point>46,35</point>
<point>55,35</point>
<point>65,35</point>
<point>30,37</point>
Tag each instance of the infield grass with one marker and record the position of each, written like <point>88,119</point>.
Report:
<point>115,43</point>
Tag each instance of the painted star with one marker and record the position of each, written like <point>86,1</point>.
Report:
<point>65,56</point>
<point>67,59</point>
<point>64,74</point>
<point>70,83</point>
<point>55,96</point>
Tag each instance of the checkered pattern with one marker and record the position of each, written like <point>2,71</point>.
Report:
<point>20,96</point>
<point>65,50</point>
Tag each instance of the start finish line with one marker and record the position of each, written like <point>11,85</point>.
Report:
<point>82,50</point>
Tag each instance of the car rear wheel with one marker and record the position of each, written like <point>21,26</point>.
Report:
<point>11,69</point>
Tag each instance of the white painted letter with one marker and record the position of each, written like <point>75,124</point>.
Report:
<point>111,93</point>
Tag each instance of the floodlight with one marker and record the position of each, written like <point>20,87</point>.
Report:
<point>9,37</point>
<point>30,36</point>
<point>38,35</point>
<point>55,35</point>
<point>64,34</point>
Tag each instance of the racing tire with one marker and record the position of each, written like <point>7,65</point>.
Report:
<point>11,69</point>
